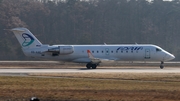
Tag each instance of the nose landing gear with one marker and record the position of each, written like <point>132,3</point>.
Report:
<point>161,65</point>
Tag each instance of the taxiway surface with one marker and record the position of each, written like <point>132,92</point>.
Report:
<point>83,70</point>
<point>25,67</point>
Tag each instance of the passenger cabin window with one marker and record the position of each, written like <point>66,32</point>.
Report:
<point>158,50</point>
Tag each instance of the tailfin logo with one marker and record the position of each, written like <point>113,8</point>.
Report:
<point>28,40</point>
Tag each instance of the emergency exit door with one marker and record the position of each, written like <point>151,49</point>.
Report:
<point>107,51</point>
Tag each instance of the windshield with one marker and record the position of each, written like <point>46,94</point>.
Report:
<point>158,50</point>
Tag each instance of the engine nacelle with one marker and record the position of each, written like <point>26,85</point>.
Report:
<point>61,50</point>
<point>66,50</point>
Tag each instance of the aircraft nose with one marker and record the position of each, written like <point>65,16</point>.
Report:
<point>170,57</point>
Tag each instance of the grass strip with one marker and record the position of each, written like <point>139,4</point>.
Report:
<point>135,87</point>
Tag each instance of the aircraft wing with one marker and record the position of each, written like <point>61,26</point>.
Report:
<point>98,60</point>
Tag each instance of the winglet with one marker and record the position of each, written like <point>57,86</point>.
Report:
<point>90,54</point>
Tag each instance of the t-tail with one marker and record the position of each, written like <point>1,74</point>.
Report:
<point>26,38</point>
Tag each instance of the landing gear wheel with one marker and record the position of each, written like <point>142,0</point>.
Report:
<point>88,66</point>
<point>162,66</point>
<point>94,66</point>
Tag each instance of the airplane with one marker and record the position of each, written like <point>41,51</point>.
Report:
<point>92,55</point>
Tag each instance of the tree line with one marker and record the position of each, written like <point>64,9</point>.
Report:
<point>90,22</point>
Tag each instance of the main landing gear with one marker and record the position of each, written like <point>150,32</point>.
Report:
<point>161,65</point>
<point>90,65</point>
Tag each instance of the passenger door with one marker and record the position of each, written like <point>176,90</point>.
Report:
<point>147,54</point>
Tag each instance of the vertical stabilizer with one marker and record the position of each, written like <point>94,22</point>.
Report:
<point>26,38</point>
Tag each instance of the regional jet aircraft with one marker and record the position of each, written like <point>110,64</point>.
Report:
<point>92,55</point>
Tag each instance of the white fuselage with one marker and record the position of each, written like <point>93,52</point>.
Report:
<point>146,52</point>
<point>90,54</point>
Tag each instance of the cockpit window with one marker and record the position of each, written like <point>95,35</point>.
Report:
<point>158,50</point>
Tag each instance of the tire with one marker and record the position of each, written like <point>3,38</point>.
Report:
<point>161,66</point>
<point>88,66</point>
<point>94,66</point>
